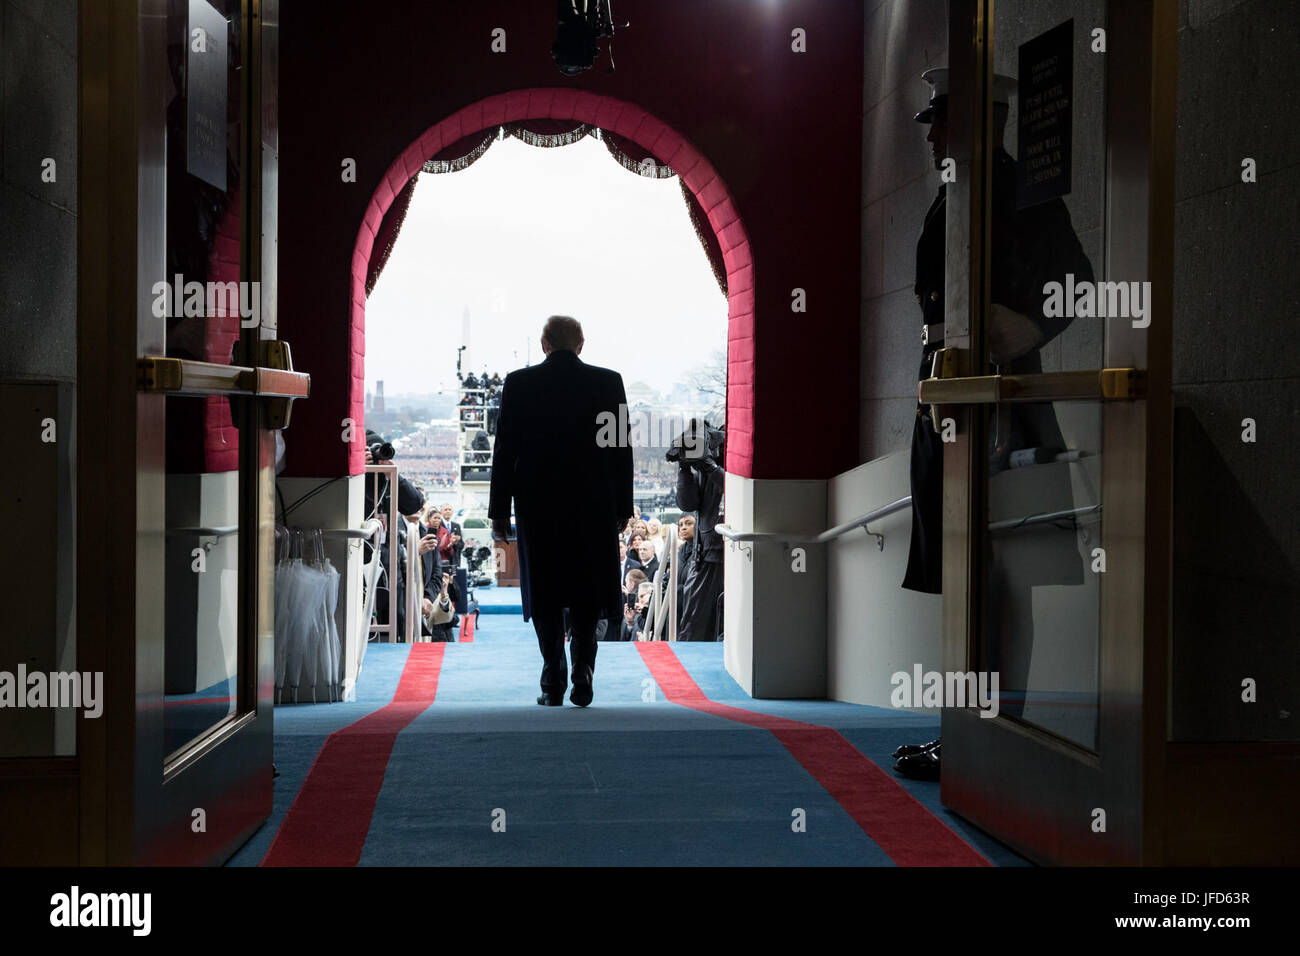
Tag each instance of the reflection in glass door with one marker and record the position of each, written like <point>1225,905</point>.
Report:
<point>1042,498</point>
<point>202,301</point>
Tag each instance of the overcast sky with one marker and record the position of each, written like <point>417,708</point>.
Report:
<point>540,231</point>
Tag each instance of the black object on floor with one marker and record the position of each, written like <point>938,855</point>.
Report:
<point>922,766</point>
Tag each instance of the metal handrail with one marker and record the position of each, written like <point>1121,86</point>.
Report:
<point>389,630</point>
<point>662,613</point>
<point>736,537</point>
<point>368,530</point>
<point>1045,517</point>
<point>222,532</point>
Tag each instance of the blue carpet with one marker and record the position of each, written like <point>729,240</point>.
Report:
<point>631,780</point>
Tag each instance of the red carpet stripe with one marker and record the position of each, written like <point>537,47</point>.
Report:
<point>909,833</point>
<point>329,819</point>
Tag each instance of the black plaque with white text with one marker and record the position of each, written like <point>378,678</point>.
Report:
<point>1044,128</point>
<point>205,94</point>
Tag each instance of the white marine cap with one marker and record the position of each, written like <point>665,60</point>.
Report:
<point>1003,87</point>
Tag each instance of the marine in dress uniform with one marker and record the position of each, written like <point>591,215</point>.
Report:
<point>1029,248</point>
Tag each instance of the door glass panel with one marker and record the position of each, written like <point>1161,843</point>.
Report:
<point>201,577</point>
<point>1048,187</point>
<point>1048,311</point>
<point>203,315</point>
<point>1042,597</point>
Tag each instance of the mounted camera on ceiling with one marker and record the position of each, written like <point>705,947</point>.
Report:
<point>581,23</point>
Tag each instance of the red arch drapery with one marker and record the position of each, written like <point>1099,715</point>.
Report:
<point>637,126</point>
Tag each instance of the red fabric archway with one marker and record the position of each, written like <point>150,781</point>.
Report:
<point>626,120</point>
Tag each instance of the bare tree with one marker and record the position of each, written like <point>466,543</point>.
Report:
<point>709,378</point>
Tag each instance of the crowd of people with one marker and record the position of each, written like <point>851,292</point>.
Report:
<point>697,549</point>
<point>441,545</point>
<point>481,402</point>
<point>429,457</point>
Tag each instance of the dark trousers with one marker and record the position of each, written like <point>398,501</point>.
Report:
<point>699,615</point>
<point>925,559</point>
<point>549,626</point>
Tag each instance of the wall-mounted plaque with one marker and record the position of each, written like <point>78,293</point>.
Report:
<point>205,94</point>
<point>1044,127</point>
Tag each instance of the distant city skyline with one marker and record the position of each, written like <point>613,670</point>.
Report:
<point>527,232</point>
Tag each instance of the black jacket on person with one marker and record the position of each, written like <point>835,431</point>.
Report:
<point>685,561</point>
<point>630,563</point>
<point>651,569</point>
<point>559,457</point>
<point>699,489</point>
<point>431,567</point>
<point>459,547</point>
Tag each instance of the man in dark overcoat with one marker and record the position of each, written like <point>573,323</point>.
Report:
<point>562,455</point>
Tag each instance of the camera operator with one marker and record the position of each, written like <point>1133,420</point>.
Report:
<point>697,452</point>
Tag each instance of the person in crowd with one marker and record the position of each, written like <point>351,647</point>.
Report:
<point>446,546</point>
<point>461,575</point>
<point>654,531</point>
<point>440,610</point>
<point>633,580</point>
<point>649,562</point>
<point>633,557</point>
<point>685,559</point>
<point>698,454</point>
<point>548,461</point>
<point>642,609</point>
<point>410,504</point>
<point>458,544</point>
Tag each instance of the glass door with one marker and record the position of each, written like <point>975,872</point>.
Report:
<point>1053,386</point>
<point>184,109</point>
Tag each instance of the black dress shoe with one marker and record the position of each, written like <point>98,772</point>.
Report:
<point>907,750</point>
<point>547,701</point>
<point>581,695</point>
<point>922,766</point>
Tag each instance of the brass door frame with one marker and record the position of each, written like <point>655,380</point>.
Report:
<point>131,809</point>
<point>1029,788</point>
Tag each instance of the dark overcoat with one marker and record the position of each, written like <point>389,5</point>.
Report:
<point>569,473</point>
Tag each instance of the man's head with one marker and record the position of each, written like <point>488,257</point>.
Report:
<point>936,112</point>
<point>446,512</point>
<point>646,551</point>
<point>622,551</point>
<point>635,578</point>
<point>686,527</point>
<point>562,333</point>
